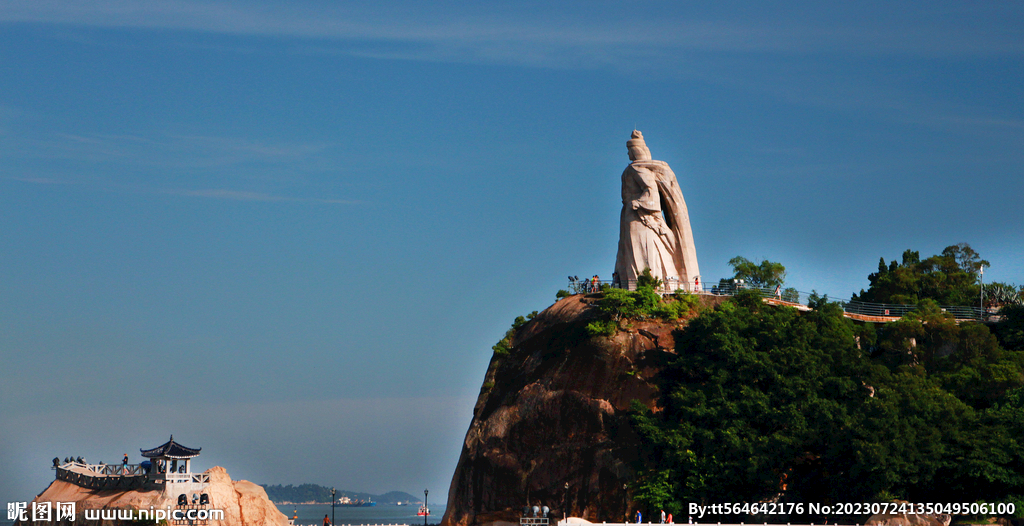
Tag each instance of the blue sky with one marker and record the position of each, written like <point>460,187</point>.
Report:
<point>289,232</point>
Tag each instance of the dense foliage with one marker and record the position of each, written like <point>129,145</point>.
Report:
<point>949,278</point>
<point>767,404</point>
<point>765,274</point>
<point>616,305</point>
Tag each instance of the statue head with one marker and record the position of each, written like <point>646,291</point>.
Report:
<point>638,148</point>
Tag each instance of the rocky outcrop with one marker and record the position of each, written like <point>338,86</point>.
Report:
<point>554,411</point>
<point>244,503</point>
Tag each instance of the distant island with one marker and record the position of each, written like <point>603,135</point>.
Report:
<point>316,494</point>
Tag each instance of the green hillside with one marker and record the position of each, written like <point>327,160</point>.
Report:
<point>766,404</point>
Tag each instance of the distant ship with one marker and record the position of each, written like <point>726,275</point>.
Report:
<point>346,502</point>
<point>424,510</point>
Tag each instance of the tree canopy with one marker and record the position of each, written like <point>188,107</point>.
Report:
<point>764,274</point>
<point>767,404</point>
<point>949,278</point>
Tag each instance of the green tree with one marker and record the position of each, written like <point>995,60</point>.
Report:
<point>949,278</point>
<point>1010,329</point>
<point>757,403</point>
<point>764,274</point>
<point>765,403</point>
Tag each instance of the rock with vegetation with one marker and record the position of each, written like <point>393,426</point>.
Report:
<point>554,407</point>
<point>640,403</point>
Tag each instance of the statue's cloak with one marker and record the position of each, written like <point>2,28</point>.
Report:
<point>673,206</point>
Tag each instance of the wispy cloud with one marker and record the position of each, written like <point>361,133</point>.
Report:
<point>39,180</point>
<point>559,35</point>
<point>174,151</point>
<point>241,195</point>
<point>186,165</point>
<point>206,193</point>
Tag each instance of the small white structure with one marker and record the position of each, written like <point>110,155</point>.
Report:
<point>171,467</point>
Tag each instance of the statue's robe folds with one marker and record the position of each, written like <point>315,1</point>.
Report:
<point>654,228</point>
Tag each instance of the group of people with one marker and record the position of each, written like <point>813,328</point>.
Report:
<point>538,511</point>
<point>200,500</point>
<point>665,518</point>
<point>586,285</point>
<point>67,460</point>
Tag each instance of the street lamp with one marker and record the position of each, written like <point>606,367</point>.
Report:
<point>565,507</point>
<point>333,500</point>
<point>625,503</point>
<point>426,510</point>
<point>981,302</point>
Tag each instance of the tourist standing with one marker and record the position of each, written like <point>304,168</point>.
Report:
<point>327,520</point>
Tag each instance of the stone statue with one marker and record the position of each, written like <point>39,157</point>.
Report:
<point>654,229</point>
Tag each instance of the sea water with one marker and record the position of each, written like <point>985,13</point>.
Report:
<point>313,514</point>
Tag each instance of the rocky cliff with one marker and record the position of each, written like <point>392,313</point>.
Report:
<point>244,503</point>
<point>553,410</point>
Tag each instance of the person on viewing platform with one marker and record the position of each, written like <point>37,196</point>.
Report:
<point>663,516</point>
<point>639,517</point>
<point>670,519</point>
<point>327,521</point>
<point>778,292</point>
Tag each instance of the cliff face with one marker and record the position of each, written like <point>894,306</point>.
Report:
<point>554,411</point>
<point>244,503</point>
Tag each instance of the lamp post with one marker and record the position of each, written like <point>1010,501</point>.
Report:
<point>625,503</point>
<point>426,510</point>
<point>565,507</point>
<point>981,302</point>
<point>333,500</point>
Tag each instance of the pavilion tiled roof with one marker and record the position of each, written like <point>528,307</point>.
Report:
<point>171,449</point>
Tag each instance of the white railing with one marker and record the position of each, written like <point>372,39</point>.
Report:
<point>185,478</point>
<point>788,295</point>
<point>105,470</point>
<point>668,286</point>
